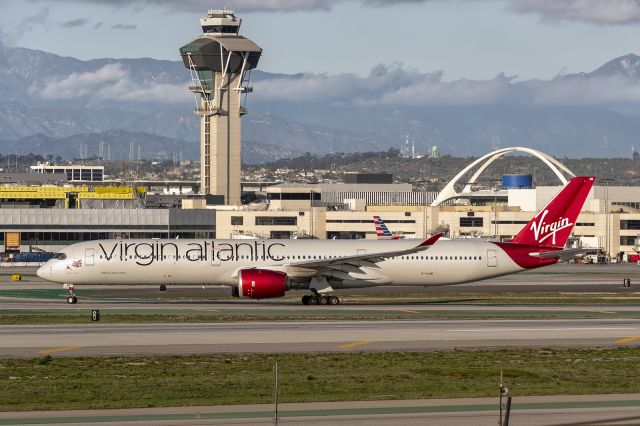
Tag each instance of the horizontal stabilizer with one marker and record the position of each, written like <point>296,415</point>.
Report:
<point>562,255</point>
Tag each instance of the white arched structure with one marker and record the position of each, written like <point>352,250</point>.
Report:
<point>449,192</point>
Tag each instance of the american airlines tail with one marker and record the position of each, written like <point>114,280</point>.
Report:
<point>382,231</point>
<point>262,269</point>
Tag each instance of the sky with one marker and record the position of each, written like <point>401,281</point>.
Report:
<point>473,39</point>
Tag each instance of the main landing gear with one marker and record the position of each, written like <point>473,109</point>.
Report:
<point>321,290</point>
<point>317,299</point>
<point>71,296</point>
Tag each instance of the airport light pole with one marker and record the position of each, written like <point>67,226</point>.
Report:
<point>607,244</point>
<point>496,188</point>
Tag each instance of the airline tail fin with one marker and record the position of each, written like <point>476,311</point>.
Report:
<point>553,224</point>
<point>382,231</point>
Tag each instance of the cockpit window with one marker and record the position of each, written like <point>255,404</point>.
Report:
<point>60,256</point>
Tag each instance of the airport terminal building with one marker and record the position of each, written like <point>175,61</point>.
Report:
<point>45,216</point>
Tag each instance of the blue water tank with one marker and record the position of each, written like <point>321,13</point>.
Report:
<point>517,181</point>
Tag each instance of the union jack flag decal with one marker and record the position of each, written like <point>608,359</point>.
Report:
<point>76,263</point>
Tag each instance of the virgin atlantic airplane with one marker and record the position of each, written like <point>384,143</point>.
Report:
<point>262,269</point>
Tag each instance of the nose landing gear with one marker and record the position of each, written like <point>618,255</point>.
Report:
<point>71,296</point>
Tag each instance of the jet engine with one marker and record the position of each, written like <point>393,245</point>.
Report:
<point>261,284</point>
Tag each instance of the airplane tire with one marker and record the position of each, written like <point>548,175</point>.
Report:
<point>72,300</point>
<point>305,299</point>
<point>314,300</point>
<point>333,300</point>
<point>323,300</point>
<point>163,287</point>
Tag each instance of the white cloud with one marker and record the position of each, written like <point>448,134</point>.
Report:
<point>394,85</point>
<point>385,85</point>
<point>389,85</point>
<point>110,83</point>
<point>604,12</point>
<point>585,91</point>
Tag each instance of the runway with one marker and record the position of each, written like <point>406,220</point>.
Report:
<point>310,336</point>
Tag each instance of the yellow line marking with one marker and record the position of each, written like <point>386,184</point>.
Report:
<point>411,312</point>
<point>627,340</point>
<point>354,344</point>
<point>61,349</point>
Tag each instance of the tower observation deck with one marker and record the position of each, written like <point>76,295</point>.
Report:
<point>220,61</point>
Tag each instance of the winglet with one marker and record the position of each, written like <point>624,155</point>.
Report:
<point>431,240</point>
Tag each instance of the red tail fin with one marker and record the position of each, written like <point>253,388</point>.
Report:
<point>553,224</point>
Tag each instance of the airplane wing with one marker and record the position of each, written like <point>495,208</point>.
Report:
<point>365,259</point>
<point>562,255</point>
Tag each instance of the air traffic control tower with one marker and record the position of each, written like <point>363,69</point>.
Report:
<point>220,61</point>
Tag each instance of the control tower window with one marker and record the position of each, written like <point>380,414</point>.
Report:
<point>225,29</point>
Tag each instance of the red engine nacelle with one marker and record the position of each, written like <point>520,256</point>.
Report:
<point>261,284</point>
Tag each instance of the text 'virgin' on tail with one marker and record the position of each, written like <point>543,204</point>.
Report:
<point>553,224</point>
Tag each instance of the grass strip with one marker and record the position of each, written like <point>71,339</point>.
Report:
<point>153,381</point>
<point>141,318</point>
<point>622,296</point>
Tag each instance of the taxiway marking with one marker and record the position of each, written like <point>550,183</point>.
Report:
<point>61,349</point>
<point>627,340</point>
<point>498,330</point>
<point>354,344</point>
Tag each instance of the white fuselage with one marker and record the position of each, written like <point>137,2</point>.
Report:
<point>218,262</point>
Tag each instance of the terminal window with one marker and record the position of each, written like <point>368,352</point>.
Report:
<point>276,220</point>
<point>237,220</point>
<point>629,240</point>
<point>471,222</point>
<point>630,224</point>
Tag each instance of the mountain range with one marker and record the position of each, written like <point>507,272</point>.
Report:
<point>57,105</point>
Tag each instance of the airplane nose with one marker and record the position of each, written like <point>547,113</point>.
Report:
<point>43,272</point>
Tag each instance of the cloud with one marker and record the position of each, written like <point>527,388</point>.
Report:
<point>586,91</point>
<point>603,12</point>
<point>240,5</point>
<point>98,25</point>
<point>397,86</point>
<point>78,22</point>
<point>28,24</point>
<point>388,85</point>
<point>112,82</point>
<point>126,27</point>
<point>245,6</point>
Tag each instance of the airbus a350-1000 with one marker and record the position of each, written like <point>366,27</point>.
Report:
<point>261,269</point>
